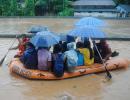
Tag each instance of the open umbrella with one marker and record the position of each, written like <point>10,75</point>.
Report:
<point>90,22</point>
<point>38,28</point>
<point>92,33</point>
<point>87,32</point>
<point>45,39</point>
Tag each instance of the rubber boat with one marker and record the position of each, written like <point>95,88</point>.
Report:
<point>17,67</point>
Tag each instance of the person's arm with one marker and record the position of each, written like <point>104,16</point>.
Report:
<point>16,47</point>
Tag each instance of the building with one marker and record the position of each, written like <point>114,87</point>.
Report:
<point>124,10</point>
<point>102,8</point>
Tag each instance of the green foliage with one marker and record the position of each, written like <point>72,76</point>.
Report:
<point>127,2</point>
<point>41,3</point>
<point>13,8</point>
<point>122,1</point>
<point>66,12</point>
<point>4,7</point>
<point>29,8</point>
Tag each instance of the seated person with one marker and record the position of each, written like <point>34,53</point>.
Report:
<point>88,53</point>
<point>79,45</point>
<point>21,44</point>
<point>64,47</point>
<point>58,62</point>
<point>56,50</point>
<point>70,58</point>
<point>104,50</point>
<point>29,57</point>
<point>44,59</point>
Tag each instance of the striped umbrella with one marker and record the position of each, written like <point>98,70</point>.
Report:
<point>90,22</point>
<point>87,32</point>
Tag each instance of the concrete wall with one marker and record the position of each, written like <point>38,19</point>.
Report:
<point>96,14</point>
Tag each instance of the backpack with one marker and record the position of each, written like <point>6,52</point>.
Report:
<point>59,66</point>
<point>80,61</point>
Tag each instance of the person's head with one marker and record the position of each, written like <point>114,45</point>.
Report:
<point>79,45</point>
<point>103,42</point>
<point>57,48</point>
<point>87,44</point>
<point>64,46</point>
<point>60,42</point>
<point>70,46</point>
<point>29,45</point>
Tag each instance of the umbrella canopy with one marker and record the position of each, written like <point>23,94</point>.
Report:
<point>90,22</point>
<point>38,28</point>
<point>63,37</point>
<point>44,39</point>
<point>87,32</point>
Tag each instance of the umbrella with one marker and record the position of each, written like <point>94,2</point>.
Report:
<point>87,32</point>
<point>45,39</point>
<point>43,33</point>
<point>38,28</point>
<point>63,37</point>
<point>90,22</point>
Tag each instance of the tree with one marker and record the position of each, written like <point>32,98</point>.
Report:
<point>40,7</point>
<point>127,2</point>
<point>67,9</point>
<point>29,8</point>
<point>122,1</point>
<point>4,7</point>
<point>13,8</point>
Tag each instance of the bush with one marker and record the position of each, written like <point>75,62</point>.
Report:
<point>66,12</point>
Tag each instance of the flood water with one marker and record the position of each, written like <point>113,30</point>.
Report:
<point>88,87</point>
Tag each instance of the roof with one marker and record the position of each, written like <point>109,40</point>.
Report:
<point>94,2</point>
<point>125,8</point>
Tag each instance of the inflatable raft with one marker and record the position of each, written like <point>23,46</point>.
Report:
<point>17,67</point>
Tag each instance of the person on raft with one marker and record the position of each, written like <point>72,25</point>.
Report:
<point>105,51</point>
<point>44,59</point>
<point>29,57</point>
<point>22,40</point>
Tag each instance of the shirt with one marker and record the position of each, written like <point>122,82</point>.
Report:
<point>22,45</point>
<point>72,57</point>
<point>86,53</point>
<point>43,57</point>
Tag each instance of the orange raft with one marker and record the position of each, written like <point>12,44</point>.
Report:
<point>17,67</point>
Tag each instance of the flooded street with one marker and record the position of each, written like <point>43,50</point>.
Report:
<point>88,87</point>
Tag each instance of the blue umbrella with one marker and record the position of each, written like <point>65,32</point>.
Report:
<point>43,33</point>
<point>45,39</point>
<point>63,37</point>
<point>87,32</point>
<point>38,28</point>
<point>90,22</point>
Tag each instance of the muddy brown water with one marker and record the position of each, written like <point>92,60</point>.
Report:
<point>88,87</point>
